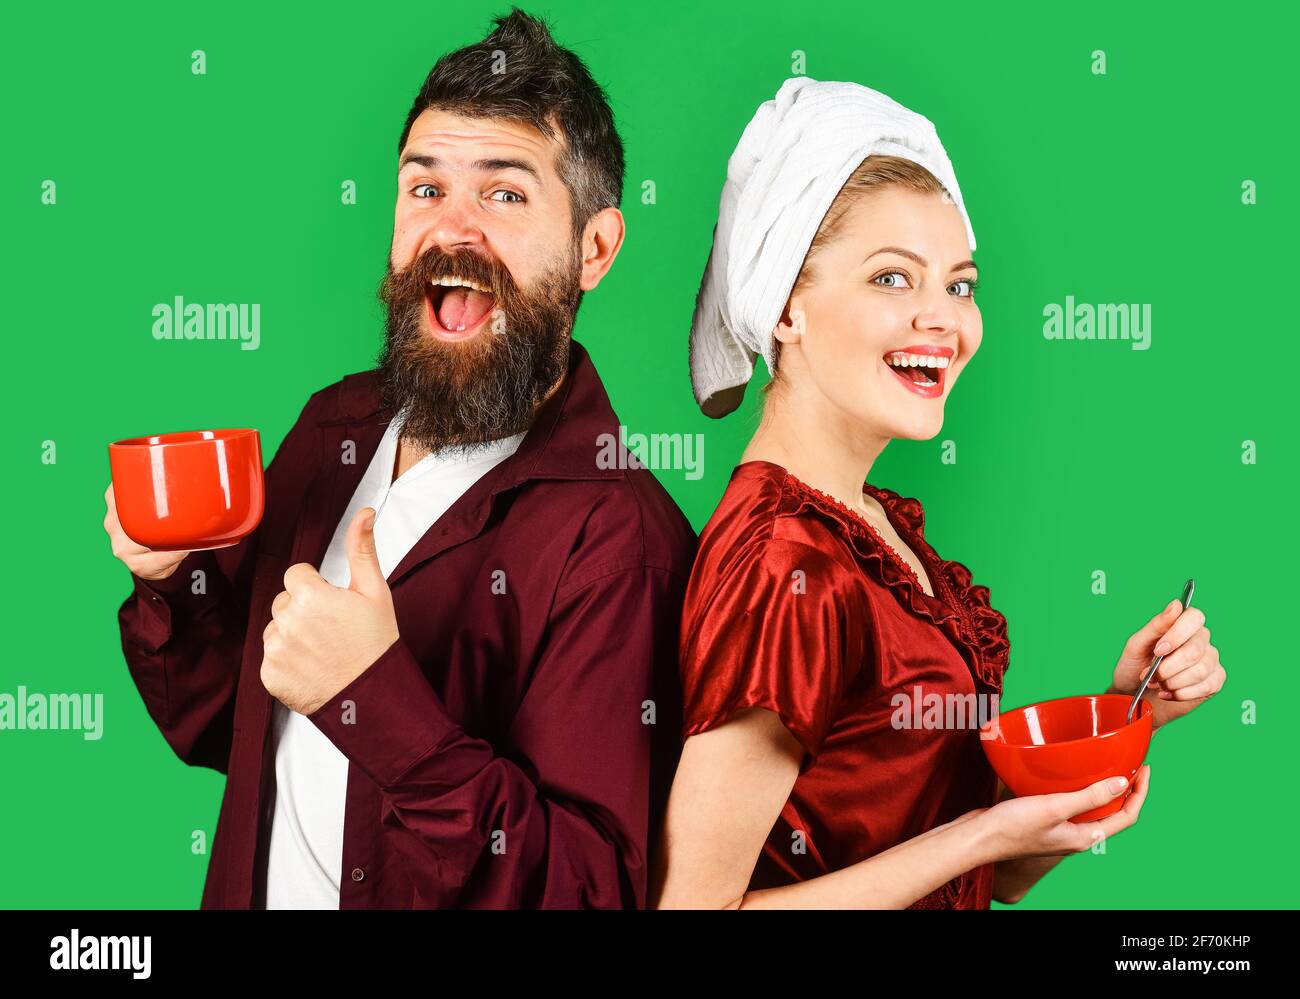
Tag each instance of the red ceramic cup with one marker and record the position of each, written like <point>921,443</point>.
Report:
<point>190,490</point>
<point>1067,744</point>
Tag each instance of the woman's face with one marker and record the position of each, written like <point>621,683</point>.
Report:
<point>895,287</point>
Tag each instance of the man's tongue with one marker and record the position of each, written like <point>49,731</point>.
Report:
<point>462,308</point>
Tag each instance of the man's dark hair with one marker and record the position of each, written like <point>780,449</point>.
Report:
<point>519,73</point>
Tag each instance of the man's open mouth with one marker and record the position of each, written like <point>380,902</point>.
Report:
<point>458,306</point>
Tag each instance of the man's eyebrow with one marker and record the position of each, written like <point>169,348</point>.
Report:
<point>433,163</point>
<point>917,257</point>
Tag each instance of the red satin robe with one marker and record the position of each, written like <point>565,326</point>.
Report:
<point>796,604</point>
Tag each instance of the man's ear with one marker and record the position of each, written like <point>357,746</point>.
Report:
<point>601,240</point>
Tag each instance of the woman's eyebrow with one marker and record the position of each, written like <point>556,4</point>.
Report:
<point>917,257</point>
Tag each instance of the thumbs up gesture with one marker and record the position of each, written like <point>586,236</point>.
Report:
<point>322,637</point>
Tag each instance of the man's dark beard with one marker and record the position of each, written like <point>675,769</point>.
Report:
<point>458,395</point>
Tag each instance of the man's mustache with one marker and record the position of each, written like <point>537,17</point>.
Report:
<point>487,272</point>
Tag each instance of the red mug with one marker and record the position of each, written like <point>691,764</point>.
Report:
<point>190,490</point>
<point>1067,744</point>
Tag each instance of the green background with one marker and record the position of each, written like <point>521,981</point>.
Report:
<point>1072,456</point>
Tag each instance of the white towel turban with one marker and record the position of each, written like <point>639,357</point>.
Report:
<point>793,158</point>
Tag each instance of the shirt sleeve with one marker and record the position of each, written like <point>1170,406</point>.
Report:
<point>562,819</point>
<point>183,636</point>
<point>182,639</point>
<point>769,632</point>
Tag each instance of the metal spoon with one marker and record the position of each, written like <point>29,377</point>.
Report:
<point>1187,602</point>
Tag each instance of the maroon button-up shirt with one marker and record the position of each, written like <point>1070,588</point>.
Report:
<point>515,746</point>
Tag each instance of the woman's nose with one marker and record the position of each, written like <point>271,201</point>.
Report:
<point>938,312</point>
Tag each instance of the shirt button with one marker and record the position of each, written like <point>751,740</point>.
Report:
<point>358,874</point>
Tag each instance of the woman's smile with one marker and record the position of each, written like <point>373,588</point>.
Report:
<point>921,369</point>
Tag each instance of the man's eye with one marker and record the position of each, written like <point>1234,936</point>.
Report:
<point>419,187</point>
<point>513,194</point>
<point>890,274</point>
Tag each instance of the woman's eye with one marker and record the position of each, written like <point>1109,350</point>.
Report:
<point>513,194</point>
<point>969,285</point>
<point>420,187</point>
<point>890,274</point>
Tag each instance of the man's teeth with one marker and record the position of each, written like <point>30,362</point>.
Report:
<point>458,282</point>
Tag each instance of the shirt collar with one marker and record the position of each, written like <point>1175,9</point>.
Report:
<point>564,441</point>
<point>448,457</point>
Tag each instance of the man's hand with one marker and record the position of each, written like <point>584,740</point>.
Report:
<point>143,562</point>
<point>322,637</point>
<point>1190,673</point>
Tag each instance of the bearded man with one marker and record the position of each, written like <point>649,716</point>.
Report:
<point>442,672</point>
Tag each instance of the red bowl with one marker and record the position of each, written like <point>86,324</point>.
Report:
<point>1068,743</point>
<point>189,490</point>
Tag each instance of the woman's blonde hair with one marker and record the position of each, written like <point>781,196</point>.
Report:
<point>875,173</point>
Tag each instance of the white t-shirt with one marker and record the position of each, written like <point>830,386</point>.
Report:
<point>311,775</point>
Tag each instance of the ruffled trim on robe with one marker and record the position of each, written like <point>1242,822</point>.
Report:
<point>964,614</point>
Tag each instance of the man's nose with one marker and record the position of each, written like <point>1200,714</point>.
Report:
<point>455,226</point>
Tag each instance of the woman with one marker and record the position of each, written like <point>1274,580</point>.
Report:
<point>815,604</point>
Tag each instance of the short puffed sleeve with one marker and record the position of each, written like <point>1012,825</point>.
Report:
<point>770,630</point>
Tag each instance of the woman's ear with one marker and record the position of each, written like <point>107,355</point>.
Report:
<point>790,327</point>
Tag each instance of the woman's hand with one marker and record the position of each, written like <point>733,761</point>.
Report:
<point>1039,825</point>
<point>1190,673</point>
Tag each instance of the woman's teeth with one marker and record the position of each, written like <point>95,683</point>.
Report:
<point>903,363</point>
<point>903,360</point>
